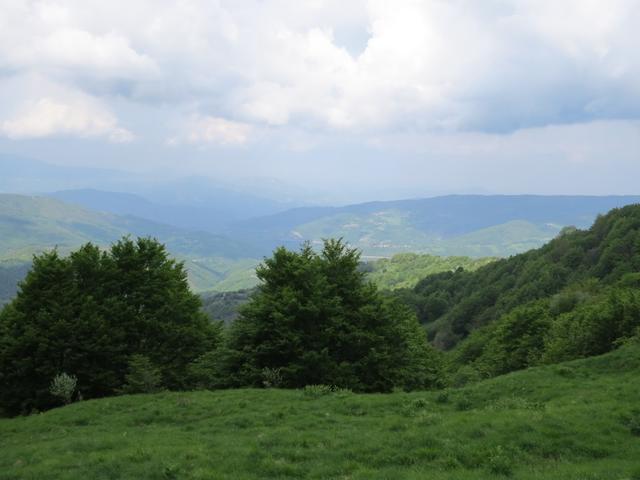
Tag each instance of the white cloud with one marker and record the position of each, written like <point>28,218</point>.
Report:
<point>46,117</point>
<point>422,65</point>
<point>213,130</point>
<point>76,49</point>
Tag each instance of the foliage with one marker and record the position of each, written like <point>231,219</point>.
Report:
<point>453,304</point>
<point>554,426</point>
<point>541,332</point>
<point>142,377</point>
<point>224,306</point>
<point>89,312</point>
<point>405,270</point>
<point>318,321</point>
<point>63,386</point>
<point>271,377</point>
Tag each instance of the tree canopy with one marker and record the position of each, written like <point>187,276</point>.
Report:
<point>315,320</point>
<point>87,314</point>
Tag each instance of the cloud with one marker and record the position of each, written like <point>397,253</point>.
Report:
<point>46,117</point>
<point>423,66</point>
<point>213,130</point>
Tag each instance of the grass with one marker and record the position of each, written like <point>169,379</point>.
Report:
<point>578,420</point>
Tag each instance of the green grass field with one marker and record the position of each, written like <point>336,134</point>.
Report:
<point>578,420</point>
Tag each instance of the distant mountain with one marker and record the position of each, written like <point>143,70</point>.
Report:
<point>204,213</point>
<point>192,203</point>
<point>26,175</point>
<point>31,224</point>
<point>473,225</point>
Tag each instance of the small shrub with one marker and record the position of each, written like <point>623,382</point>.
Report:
<point>414,408</point>
<point>63,386</point>
<point>500,462</point>
<point>420,403</point>
<point>464,376</point>
<point>271,377</point>
<point>443,397</point>
<point>170,472</point>
<point>565,371</point>
<point>143,376</point>
<point>315,391</point>
<point>634,425</point>
<point>463,403</point>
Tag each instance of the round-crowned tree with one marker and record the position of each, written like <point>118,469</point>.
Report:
<point>89,313</point>
<point>316,320</point>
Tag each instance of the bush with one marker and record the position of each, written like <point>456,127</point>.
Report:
<point>465,375</point>
<point>63,386</point>
<point>315,391</point>
<point>271,377</point>
<point>500,462</point>
<point>143,376</point>
<point>633,424</point>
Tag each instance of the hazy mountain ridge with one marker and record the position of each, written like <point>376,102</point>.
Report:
<point>474,225</point>
<point>465,225</point>
<point>199,203</point>
<point>30,224</point>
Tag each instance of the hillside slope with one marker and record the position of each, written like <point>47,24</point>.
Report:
<point>405,270</point>
<point>473,225</point>
<point>572,421</point>
<point>452,304</point>
<point>30,225</point>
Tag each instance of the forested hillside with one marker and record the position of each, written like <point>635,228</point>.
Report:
<point>576,296</point>
<point>405,270</point>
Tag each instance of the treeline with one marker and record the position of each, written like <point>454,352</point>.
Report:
<point>576,296</point>
<point>99,323</point>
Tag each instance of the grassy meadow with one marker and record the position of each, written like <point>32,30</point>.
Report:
<point>577,420</point>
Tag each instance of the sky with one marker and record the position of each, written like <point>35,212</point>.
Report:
<point>358,99</point>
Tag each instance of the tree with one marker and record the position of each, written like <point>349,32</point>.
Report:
<point>316,321</point>
<point>143,376</point>
<point>88,313</point>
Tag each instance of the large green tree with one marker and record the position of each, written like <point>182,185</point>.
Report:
<point>316,320</point>
<point>87,315</point>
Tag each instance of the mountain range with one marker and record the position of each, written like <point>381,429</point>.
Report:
<point>472,225</point>
<point>222,256</point>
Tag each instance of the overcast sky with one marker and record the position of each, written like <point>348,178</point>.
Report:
<point>369,98</point>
